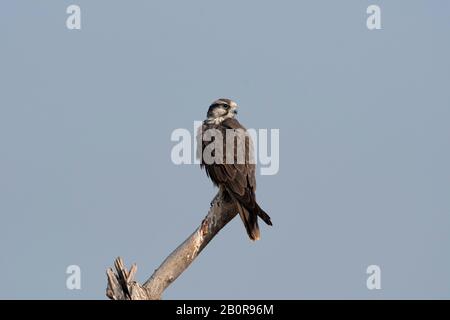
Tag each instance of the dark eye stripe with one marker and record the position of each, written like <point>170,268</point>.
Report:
<point>217,105</point>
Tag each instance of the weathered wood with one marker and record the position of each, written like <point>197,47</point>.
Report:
<point>121,284</point>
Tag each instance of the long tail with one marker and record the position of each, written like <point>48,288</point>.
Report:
<point>250,221</point>
<point>249,217</point>
<point>263,215</point>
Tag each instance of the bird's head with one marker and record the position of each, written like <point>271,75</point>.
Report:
<point>221,110</point>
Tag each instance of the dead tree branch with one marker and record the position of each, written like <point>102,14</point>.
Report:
<point>121,284</point>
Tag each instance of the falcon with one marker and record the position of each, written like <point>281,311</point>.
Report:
<point>236,178</point>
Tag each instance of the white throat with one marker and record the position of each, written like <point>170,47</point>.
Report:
<point>218,120</point>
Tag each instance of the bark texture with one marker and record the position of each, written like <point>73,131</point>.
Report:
<point>121,282</point>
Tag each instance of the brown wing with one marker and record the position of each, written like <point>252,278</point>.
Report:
<point>239,178</point>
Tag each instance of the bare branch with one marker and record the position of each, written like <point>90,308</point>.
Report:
<point>121,284</point>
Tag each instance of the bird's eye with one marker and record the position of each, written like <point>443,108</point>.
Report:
<point>226,106</point>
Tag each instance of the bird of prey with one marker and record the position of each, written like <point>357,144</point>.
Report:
<point>236,178</point>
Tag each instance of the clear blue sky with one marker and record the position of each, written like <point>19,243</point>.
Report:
<point>85,124</point>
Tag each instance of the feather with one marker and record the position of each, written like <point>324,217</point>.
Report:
<point>238,179</point>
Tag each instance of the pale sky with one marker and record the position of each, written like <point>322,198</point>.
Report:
<point>86,118</point>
